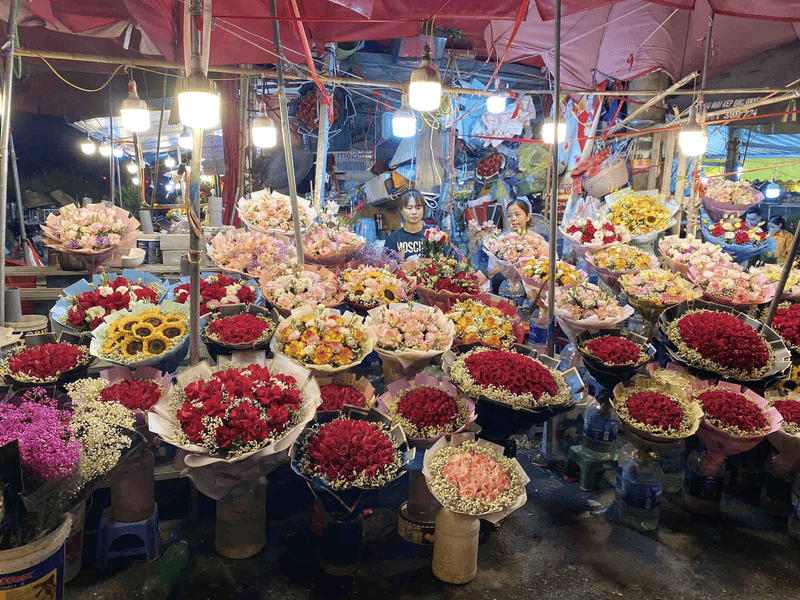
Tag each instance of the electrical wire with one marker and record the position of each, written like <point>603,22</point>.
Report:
<point>77,87</point>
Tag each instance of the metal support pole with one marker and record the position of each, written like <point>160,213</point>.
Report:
<point>158,143</point>
<point>20,208</point>
<point>787,268</point>
<point>5,133</point>
<point>111,161</point>
<point>244,93</point>
<point>287,137</point>
<point>551,281</point>
<point>119,184</point>
<point>194,250</point>
<point>322,136</point>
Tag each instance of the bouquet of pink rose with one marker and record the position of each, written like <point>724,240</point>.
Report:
<point>585,307</point>
<point>330,243</point>
<point>94,230</point>
<point>271,212</point>
<point>728,284</point>
<point>290,287</point>
<point>682,253</point>
<point>249,252</point>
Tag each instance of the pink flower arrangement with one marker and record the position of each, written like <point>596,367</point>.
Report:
<point>772,273</point>
<point>329,241</point>
<point>296,286</point>
<point>513,246</point>
<point>658,286</point>
<point>404,327</point>
<point>90,230</point>
<point>271,211</point>
<point>248,252</point>
<point>586,300</point>
<point>692,252</point>
<point>731,285</point>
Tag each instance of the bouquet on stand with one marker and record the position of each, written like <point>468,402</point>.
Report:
<point>652,291</point>
<point>681,254</point>
<point>616,260</point>
<point>488,320</point>
<point>344,460</point>
<point>90,234</point>
<point>238,328</point>
<point>643,214</point>
<point>156,336</point>
<point>47,359</point>
<point>586,307</point>
<point>293,286</point>
<point>137,389</point>
<point>507,249</point>
<point>735,237</point>
<point>591,235</point>
<point>443,281</point>
<point>83,305</point>
<point>472,480</point>
<point>249,253</point>
<point>772,274</point>
<point>786,324</point>
<point>534,273</point>
<point>328,242</point>
<point>408,337</point>
<point>323,340</point>
<point>366,287</point>
<point>344,389</point>
<point>728,284</point>
<point>216,290</point>
<point>723,198</point>
<point>271,212</point>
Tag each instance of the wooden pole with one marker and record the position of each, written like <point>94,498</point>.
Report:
<point>551,281</point>
<point>322,137</point>
<point>669,155</point>
<point>157,167</point>
<point>5,135</point>
<point>680,187</point>
<point>655,160</point>
<point>194,249</point>
<point>111,160</point>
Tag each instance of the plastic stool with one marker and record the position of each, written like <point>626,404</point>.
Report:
<point>590,471</point>
<point>110,530</point>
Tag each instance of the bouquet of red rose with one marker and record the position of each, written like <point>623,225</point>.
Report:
<point>233,328</point>
<point>46,359</point>
<point>84,305</point>
<point>427,408</point>
<point>786,324</point>
<point>735,419</point>
<point>656,413</point>
<point>237,420</point>
<point>340,389</point>
<point>351,454</point>
<point>217,290</point>
<point>786,440</point>
<point>721,343</point>
<point>507,377</point>
<point>443,281</point>
<point>137,389</point>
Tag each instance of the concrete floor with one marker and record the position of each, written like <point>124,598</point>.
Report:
<point>564,543</point>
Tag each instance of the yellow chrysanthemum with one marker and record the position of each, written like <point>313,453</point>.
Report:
<point>156,345</point>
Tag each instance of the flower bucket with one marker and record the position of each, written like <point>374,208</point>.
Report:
<point>73,547</point>
<point>36,570</point>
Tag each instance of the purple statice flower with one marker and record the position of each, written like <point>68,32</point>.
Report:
<point>102,241</point>
<point>48,448</point>
<point>72,245</point>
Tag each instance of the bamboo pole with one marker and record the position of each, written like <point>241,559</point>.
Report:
<point>194,248</point>
<point>655,159</point>
<point>669,154</point>
<point>272,74</point>
<point>652,101</point>
<point>111,161</point>
<point>287,139</point>
<point>158,143</point>
<point>680,187</point>
<point>20,208</point>
<point>322,137</point>
<point>5,134</point>
<point>551,281</point>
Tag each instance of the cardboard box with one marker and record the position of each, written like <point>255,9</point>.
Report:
<point>175,241</point>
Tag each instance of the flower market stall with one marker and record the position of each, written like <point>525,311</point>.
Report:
<point>375,297</point>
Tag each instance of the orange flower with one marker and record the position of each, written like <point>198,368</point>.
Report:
<point>309,333</point>
<point>470,338</point>
<point>333,337</point>
<point>358,335</point>
<point>492,340</point>
<point>322,355</point>
<point>295,349</point>
<point>345,357</point>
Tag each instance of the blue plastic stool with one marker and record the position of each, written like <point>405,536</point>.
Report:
<point>110,530</point>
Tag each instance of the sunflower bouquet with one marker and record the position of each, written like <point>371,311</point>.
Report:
<point>642,214</point>
<point>366,287</point>
<point>148,335</point>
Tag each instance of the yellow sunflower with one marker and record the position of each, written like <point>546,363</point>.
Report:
<point>389,293</point>
<point>173,318</point>
<point>172,329</point>
<point>124,323</point>
<point>156,345</point>
<point>143,329</point>
<point>132,347</point>
<point>156,321</point>
<point>113,340</point>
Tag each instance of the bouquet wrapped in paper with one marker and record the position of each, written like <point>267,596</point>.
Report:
<point>722,197</point>
<point>408,337</point>
<point>586,307</point>
<point>328,242</point>
<point>651,291</point>
<point>239,327</point>
<point>772,273</point>
<point>216,290</point>
<point>681,254</point>
<point>145,336</point>
<point>786,440</point>
<point>487,319</point>
<point>735,237</point>
<point>443,281</point>
<point>47,359</point>
<point>534,273</point>
<point>271,212</point>
<point>136,389</point>
<point>344,389</point>
<point>240,434</point>
<point>729,285</point>
<point>505,250</point>
<point>643,214</point>
<point>614,261</point>
<point>590,235</point>
<point>427,408</point>
<point>293,286</point>
<point>83,305</point>
<point>93,232</point>
<point>323,340</point>
<point>365,286</point>
<point>471,477</point>
<point>249,253</point>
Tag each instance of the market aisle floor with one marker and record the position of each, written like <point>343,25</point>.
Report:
<point>564,543</point>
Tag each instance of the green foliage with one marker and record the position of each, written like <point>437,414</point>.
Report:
<point>132,199</point>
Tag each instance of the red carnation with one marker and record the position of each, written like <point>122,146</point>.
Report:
<point>742,237</point>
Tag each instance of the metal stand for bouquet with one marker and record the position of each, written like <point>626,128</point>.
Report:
<point>417,517</point>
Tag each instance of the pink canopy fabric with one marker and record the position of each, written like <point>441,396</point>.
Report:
<point>628,38</point>
<point>778,10</point>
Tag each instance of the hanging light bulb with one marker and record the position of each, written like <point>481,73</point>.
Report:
<point>263,130</point>
<point>133,110</point>
<point>198,101</point>
<point>692,139</point>
<point>105,150</point>
<point>496,103</point>
<point>169,162</point>
<point>185,140</point>
<point>135,180</point>
<point>88,146</point>
<point>424,85</point>
<point>404,123</point>
<point>117,152</point>
<point>772,191</point>
<point>132,168</point>
<point>548,132</point>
